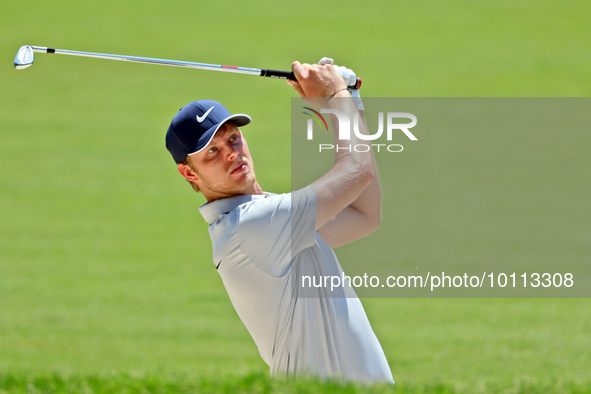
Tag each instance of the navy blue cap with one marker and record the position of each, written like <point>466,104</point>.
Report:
<point>193,127</point>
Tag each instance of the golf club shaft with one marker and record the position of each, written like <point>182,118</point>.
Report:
<point>177,63</point>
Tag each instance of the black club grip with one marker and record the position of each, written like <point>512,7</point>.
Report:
<point>265,72</point>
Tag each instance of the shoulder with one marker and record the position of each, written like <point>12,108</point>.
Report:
<point>263,209</point>
<point>277,205</point>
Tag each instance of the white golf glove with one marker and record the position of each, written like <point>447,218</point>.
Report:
<point>350,79</point>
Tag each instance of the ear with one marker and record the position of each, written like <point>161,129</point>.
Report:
<point>187,172</point>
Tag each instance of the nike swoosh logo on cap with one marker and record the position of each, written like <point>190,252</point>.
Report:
<point>202,118</point>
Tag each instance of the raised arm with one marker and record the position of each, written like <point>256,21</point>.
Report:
<point>362,217</point>
<point>348,195</point>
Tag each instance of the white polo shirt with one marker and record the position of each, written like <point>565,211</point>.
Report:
<point>262,244</point>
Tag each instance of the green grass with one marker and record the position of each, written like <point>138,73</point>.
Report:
<point>106,278</point>
<point>260,383</point>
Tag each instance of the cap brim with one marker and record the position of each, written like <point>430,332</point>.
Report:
<point>238,119</point>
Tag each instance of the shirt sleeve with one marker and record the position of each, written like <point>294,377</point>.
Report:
<point>275,229</point>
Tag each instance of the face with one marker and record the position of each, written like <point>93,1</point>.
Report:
<point>224,168</point>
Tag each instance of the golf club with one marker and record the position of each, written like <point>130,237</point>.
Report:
<point>24,58</point>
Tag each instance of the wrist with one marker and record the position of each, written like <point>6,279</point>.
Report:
<point>338,92</point>
<point>331,103</point>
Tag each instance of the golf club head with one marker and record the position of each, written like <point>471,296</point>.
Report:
<point>24,57</point>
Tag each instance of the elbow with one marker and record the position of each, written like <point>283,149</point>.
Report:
<point>368,226</point>
<point>371,221</point>
<point>360,174</point>
<point>366,173</point>
<point>374,222</point>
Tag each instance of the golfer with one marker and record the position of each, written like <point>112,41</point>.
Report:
<point>263,242</point>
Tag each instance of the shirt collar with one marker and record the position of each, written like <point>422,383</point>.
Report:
<point>211,211</point>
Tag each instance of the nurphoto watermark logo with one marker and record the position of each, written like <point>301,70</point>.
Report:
<point>348,126</point>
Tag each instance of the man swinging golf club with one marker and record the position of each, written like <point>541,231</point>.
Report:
<point>262,242</point>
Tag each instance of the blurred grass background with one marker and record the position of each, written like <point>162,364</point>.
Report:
<point>105,261</point>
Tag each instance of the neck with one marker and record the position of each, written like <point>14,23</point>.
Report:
<point>211,196</point>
